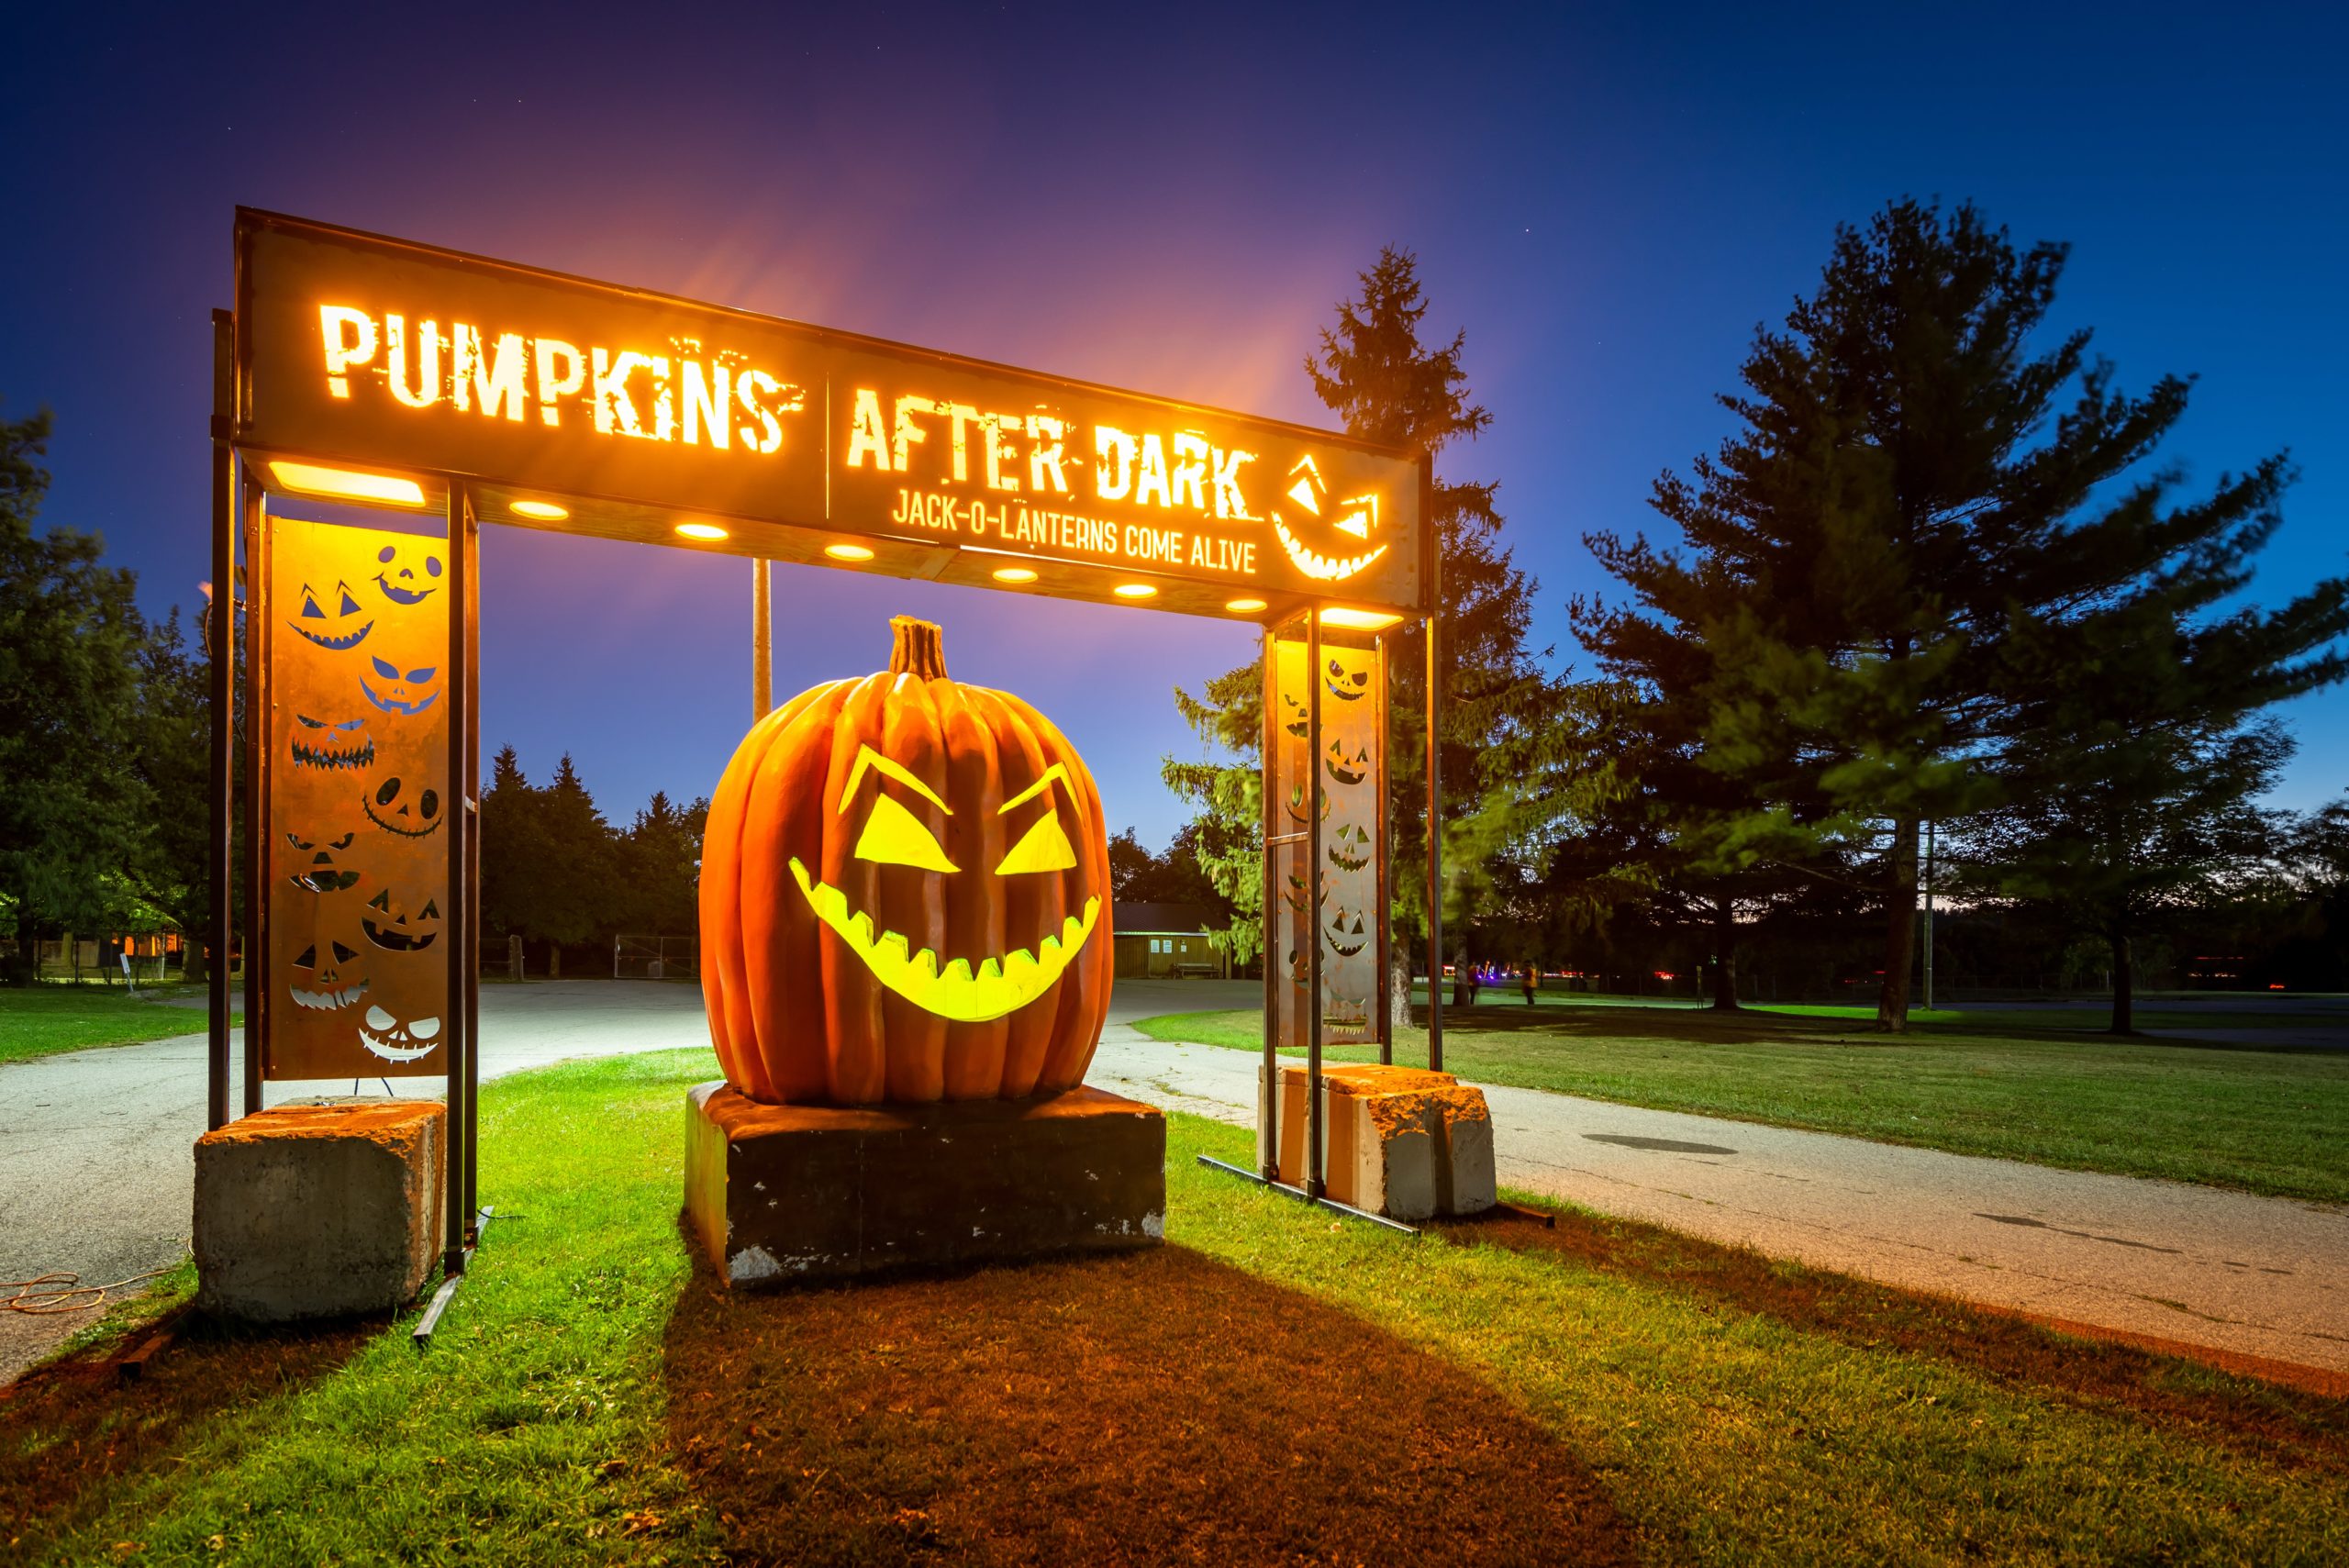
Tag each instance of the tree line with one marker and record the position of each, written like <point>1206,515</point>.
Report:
<point>1936,588</point>
<point>1936,583</point>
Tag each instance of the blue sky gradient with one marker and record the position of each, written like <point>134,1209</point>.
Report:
<point>1607,199</point>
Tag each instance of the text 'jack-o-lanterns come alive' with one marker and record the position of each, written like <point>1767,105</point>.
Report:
<point>903,883</point>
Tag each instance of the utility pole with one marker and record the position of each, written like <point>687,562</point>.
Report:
<point>762,640</point>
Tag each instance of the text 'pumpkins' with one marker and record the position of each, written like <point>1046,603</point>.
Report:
<point>904,895</point>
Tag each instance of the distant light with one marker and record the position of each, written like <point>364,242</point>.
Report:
<point>1358,620</point>
<point>1135,591</point>
<point>701,530</point>
<point>1014,574</point>
<point>848,552</point>
<point>1244,607</point>
<point>346,485</point>
<point>539,511</point>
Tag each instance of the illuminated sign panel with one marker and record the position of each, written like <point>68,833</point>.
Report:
<point>375,352</point>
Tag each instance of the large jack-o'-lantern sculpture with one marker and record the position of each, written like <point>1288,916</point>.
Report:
<point>904,886</point>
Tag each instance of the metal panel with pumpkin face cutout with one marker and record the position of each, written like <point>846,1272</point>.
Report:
<point>1353,727</point>
<point>359,751</point>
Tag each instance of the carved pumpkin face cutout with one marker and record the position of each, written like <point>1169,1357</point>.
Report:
<point>1346,685</point>
<point>1349,846</point>
<point>901,884</point>
<point>391,927</point>
<point>332,620</point>
<point>1327,540</point>
<point>322,980</point>
<point>331,745</point>
<point>395,690</point>
<point>388,1039</point>
<point>313,864</point>
<point>408,576</point>
<point>399,807</point>
<point>1346,764</point>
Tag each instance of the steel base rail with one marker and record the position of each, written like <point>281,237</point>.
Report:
<point>1303,1196</point>
<point>422,1336</point>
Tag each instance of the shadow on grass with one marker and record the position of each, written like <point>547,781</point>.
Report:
<point>74,1439</point>
<point>2293,1428</point>
<point>1151,1407</point>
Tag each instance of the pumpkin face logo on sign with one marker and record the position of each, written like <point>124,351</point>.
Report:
<point>1326,540</point>
<point>901,884</point>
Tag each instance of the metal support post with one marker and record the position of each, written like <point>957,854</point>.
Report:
<point>1314,1186</point>
<point>454,1042</point>
<point>260,698</point>
<point>1435,776</point>
<point>761,640</point>
<point>466,625</point>
<point>1271,1090</point>
<point>220,647</point>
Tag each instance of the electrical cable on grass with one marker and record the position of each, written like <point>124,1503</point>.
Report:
<point>48,1294</point>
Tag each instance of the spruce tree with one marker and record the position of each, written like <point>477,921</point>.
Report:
<point>1387,385</point>
<point>1914,479</point>
<point>2136,748</point>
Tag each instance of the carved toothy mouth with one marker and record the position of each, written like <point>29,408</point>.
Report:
<point>382,1033</point>
<point>328,1001</point>
<point>1314,564</point>
<point>400,595</point>
<point>393,705</point>
<point>337,644</point>
<point>333,757</point>
<point>999,987</point>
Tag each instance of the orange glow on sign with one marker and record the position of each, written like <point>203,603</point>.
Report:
<point>848,552</point>
<point>1358,620</point>
<point>540,511</point>
<point>344,484</point>
<point>701,530</point>
<point>1013,575</point>
<point>1135,591</point>
<point>1244,607</point>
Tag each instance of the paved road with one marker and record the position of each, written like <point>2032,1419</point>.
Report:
<point>95,1174</point>
<point>2266,1277</point>
<point>96,1162</point>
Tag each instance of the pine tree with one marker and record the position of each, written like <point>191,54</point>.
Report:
<point>2136,749</point>
<point>1909,489</point>
<point>72,805</point>
<point>1505,732</point>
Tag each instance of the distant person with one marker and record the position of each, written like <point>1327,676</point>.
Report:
<point>1532,982</point>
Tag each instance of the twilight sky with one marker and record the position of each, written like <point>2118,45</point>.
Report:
<point>1607,199</point>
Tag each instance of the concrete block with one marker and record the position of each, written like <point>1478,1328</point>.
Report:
<point>782,1193</point>
<point>1401,1142</point>
<point>321,1209</point>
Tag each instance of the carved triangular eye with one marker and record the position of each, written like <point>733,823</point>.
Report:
<point>432,911</point>
<point>1044,847</point>
<point>343,954</point>
<point>349,604</point>
<point>309,959</point>
<point>895,836</point>
<point>381,901</point>
<point>311,610</point>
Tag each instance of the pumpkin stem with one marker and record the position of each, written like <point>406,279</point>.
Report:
<point>920,648</point>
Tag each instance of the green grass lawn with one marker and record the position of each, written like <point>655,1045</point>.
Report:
<point>1273,1384</point>
<point>2273,1122</point>
<point>41,1020</point>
